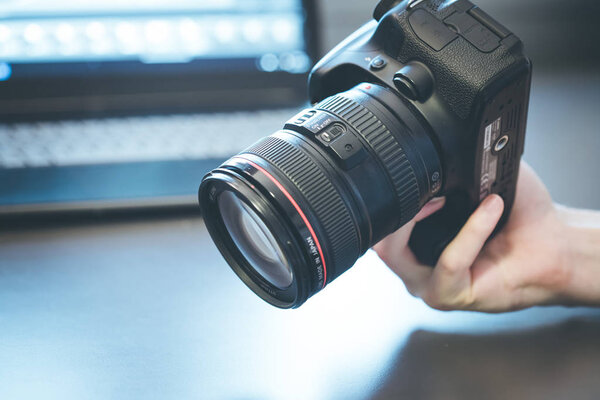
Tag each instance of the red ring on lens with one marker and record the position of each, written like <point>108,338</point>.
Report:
<point>297,207</point>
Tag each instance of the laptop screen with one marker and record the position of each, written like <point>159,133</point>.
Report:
<point>83,56</point>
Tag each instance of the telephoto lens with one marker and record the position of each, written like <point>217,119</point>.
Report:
<point>297,209</point>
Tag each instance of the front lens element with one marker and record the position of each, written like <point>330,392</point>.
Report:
<point>255,241</point>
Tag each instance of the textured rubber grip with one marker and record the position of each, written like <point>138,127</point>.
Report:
<point>321,196</point>
<point>386,147</point>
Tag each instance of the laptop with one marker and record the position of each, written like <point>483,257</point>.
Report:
<point>124,104</point>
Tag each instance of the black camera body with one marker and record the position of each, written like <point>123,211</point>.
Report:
<point>429,99</point>
<point>466,77</point>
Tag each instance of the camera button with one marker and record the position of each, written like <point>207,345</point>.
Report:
<point>348,150</point>
<point>377,63</point>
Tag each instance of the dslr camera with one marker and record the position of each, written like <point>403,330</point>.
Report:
<point>428,99</point>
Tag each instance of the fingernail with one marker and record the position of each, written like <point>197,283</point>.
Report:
<point>491,203</point>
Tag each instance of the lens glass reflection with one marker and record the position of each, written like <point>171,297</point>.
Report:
<point>255,241</point>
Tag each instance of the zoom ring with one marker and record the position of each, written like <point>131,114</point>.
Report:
<point>385,146</point>
<point>325,201</point>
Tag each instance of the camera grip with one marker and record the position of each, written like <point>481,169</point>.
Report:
<point>431,236</point>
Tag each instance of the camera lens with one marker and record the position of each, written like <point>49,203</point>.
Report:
<point>255,240</point>
<point>298,208</point>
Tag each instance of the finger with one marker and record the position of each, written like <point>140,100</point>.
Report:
<point>460,254</point>
<point>396,254</point>
<point>450,286</point>
<point>399,239</point>
<point>392,249</point>
<point>403,262</point>
<point>430,208</point>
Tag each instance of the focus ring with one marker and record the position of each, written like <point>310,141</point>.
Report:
<point>324,200</point>
<point>385,145</point>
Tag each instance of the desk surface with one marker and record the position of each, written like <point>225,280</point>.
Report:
<point>147,309</point>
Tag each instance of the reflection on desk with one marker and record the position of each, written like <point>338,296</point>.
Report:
<point>559,361</point>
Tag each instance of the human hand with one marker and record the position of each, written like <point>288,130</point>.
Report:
<point>527,263</point>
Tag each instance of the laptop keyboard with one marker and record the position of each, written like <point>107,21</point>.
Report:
<point>135,139</point>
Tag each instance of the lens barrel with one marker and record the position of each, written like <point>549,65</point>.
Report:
<point>337,179</point>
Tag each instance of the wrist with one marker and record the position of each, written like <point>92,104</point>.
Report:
<point>581,256</point>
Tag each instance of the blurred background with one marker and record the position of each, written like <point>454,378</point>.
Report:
<point>110,286</point>
<point>85,87</point>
